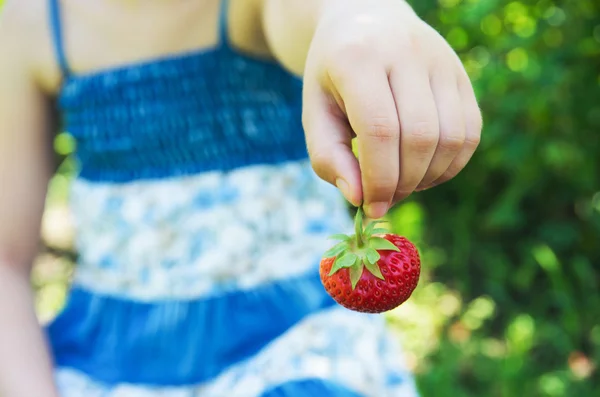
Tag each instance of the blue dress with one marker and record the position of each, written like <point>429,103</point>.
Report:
<point>200,225</point>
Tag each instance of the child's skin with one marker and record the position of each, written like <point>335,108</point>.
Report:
<point>370,67</point>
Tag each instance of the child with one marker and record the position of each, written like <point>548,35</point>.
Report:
<point>200,221</point>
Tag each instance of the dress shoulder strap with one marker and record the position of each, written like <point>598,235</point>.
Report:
<point>57,36</point>
<point>223,24</point>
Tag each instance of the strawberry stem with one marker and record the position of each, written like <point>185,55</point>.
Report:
<point>360,250</point>
<point>358,227</point>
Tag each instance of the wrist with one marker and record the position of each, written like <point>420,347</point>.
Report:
<point>343,7</point>
<point>352,13</point>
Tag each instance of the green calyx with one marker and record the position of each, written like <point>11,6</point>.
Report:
<point>360,249</point>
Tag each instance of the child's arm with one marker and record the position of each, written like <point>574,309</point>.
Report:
<point>25,158</point>
<point>374,68</point>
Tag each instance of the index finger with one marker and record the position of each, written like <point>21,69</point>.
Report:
<point>372,114</point>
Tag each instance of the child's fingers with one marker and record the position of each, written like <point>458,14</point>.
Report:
<point>329,143</point>
<point>418,122</point>
<point>369,103</point>
<point>473,126</point>
<point>451,123</point>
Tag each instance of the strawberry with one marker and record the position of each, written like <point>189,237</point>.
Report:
<point>392,270</point>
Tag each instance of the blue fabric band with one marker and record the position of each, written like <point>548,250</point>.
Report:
<point>177,342</point>
<point>310,388</point>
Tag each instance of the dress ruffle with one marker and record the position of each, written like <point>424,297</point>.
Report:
<point>334,351</point>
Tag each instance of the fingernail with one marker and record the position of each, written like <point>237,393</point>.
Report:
<point>344,188</point>
<point>376,210</point>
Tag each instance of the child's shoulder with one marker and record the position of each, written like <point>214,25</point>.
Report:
<point>19,12</point>
<point>100,35</point>
<point>25,39</point>
<point>22,22</point>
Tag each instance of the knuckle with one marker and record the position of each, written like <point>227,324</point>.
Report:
<point>472,142</point>
<point>382,129</point>
<point>423,135</point>
<point>452,142</point>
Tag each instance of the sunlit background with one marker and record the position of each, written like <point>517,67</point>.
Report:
<point>509,303</point>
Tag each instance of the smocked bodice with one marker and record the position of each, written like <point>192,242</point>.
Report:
<point>203,111</point>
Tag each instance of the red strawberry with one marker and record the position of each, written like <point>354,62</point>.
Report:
<point>392,270</point>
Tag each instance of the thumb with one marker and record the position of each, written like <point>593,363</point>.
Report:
<point>329,143</point>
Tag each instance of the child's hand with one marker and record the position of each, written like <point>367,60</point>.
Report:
<point>377,71</point>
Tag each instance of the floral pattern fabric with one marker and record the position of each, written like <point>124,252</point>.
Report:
<point>203,235</point>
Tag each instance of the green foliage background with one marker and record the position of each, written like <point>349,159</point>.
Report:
<point>520,228</point>
<point>509,302</point>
